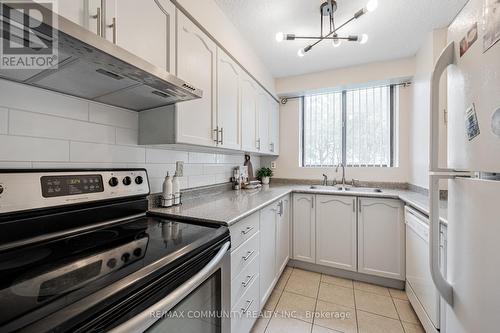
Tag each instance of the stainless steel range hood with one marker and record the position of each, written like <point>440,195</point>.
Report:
<point>91,67</point>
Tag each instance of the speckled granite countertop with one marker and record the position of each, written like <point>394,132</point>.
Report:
<point>228,207</point>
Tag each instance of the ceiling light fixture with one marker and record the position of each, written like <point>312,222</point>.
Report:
<point>328,8</point>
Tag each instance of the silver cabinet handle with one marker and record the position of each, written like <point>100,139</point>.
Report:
<point>249,304</point>
<point>249,254</point>
<point>354,205</point>
<point>312,202</point>
<point>98,17</point>
<point>143,320</point>
<point>246,230</point>
<point>247,282</point>
<point>113,25</point>
<point>280,204</point>
<point>359,204</point>
<point>221,131</point>
<point>257,144</point>
<point>216,130</point>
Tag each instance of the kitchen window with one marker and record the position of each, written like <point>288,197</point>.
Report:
<point>350,127</point>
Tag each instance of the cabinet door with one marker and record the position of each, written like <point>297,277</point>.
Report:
<point>336,231</point>
<point>196,61</point>
<point>228,101</point>
<point>274,127</point>
<point>267,250</point>
<point>283,235</point>
<point>263,122</point>
<point>381,247</point>
<point>304,228</point>
<point>146,29</point>
<point>75,11</point>
<point>248,114</point>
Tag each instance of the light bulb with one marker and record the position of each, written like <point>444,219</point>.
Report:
<point>301,52</point>
<point>336,42</point>
<point>372,5</point>
<point>363,39</point>
<point>280,37</point>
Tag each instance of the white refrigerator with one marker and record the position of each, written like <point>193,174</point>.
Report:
<point>471,62</point>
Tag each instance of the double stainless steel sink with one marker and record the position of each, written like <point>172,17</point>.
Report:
<point>346,189</point>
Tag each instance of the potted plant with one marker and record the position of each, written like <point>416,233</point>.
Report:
<point>264,174</point>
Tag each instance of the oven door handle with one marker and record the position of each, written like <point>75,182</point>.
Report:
<point>148,317</point>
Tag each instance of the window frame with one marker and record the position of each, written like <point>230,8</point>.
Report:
<point>392,134</point>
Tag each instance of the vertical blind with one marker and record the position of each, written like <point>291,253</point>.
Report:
<point>352,127</point>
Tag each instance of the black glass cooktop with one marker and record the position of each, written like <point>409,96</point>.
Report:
<point>40,279</point>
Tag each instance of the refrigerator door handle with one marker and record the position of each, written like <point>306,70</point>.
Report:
<point>446,59</point>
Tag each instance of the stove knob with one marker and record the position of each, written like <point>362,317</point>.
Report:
<point>126,257</point>
<point>138,252</point>
<point>139,180</point>
<point>127,181</point>
<point>111,263</point>
<point>113,181</point>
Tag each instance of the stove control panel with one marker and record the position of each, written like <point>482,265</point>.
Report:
<point>20,191</point>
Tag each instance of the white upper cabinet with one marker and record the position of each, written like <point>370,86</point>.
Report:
<point>263,121</point>
<point>74,11</point>
<point>228,102</point>
<point>274,127</point>
<point>381,247</point>
<point>304,228</point>
<point>336,231</point>
<point>248,114</point>
<point>146,29</point>
<point>196,56</point>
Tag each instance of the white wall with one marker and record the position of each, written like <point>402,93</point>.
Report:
<point>288,163</point>
<point>42,129</point>
<point>419,119</point>
<point>213,19</point>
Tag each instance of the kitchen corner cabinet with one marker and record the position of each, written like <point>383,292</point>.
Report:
<point>268,250</point>
<point>228,102</point>
<point>381,247</point>
<point>283,235</point>
<point>196,56</point>
<point>336,231</point>
<point>304,228</point>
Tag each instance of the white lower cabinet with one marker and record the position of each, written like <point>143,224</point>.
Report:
<point>336,231</point>
<point>381,234</point>
<point>304,228</point>
<point>283,235</point>
<point>268,250</point>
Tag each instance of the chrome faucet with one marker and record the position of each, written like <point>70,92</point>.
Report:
<point>325,180</point>
<point>343,172</point>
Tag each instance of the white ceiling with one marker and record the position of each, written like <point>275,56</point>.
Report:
<point>396,30</point>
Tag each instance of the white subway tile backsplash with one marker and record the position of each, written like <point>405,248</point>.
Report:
<point>126,136</point>
<point>160,170</point>
<point>212,169</point>
<point>203,180</point>
<point>45,126</point>
<point>18,96</point>
<point>193,169</point>
<point>222,178</point>
<point>109,115</point>
<point>202,157</point>
<point>77,165</point>
<point>4,120</point>
<point>96,152</point>
<point>15,165</point>
<point>231,159</point>
<point>18,148</point>
<point>154,155</point>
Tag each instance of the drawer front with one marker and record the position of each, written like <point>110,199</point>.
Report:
<point>243,230</point>
<point>242,282</point>
<point>244,311</point>
<point>244,255</point>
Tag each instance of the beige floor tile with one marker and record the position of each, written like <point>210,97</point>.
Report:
<point>260,325</point>
<point>336,294</point>
<point>300,307</point>
<point>413,328</point>
<point>371,288</point>
<point>406,312</point>
<point>336,280</point>
<point>303,285</point>
<point>374,303</point>
<point>287,271</point>
<point>335,317</point>
<point>372,323</point>
<point>297,272</point>
<point>321,329</point>
<point>273,299</point>
<point>399,294</point>
<point>280,285</point>
<point>288,325</point>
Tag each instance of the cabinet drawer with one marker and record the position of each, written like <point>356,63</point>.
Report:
<point>243,230</point>
<point>245,310</point>
<point>242,282</point>
<point>244,255</point>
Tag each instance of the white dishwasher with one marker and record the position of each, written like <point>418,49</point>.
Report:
<point>420,288</point>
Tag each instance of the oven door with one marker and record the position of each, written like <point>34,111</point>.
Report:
<point>200,305</point>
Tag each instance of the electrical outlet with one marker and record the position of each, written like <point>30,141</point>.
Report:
<point>274,165</point>
<point>179,168</point>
